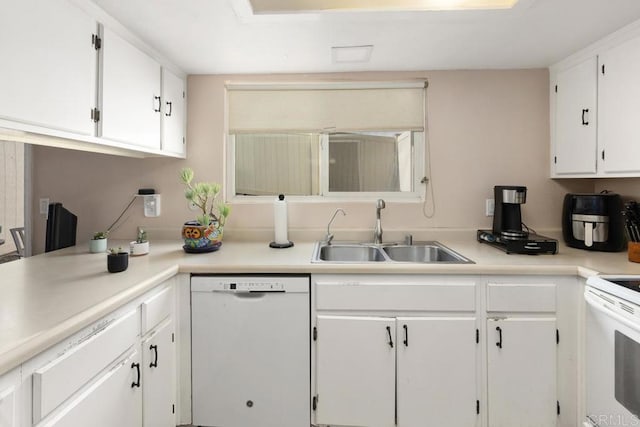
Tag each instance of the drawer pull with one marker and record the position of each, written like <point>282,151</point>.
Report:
<point>154,348</point>
<point>136,383</point>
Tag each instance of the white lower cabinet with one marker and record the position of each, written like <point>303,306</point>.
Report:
<point>356,362</point>
<point>436,371</point>
<point>381,371</point>
<point>522,372</point>
<point>158,377</point>
<point>115,399</point>
<point>9,398</point>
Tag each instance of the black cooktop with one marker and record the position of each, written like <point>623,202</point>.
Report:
<point>633,284</point>
<point>533,244</point>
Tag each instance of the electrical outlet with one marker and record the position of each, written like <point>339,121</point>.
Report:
<point>489,207</point>
<point>44,207</point>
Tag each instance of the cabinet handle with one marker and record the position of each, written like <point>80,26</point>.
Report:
<point>585,122</point>
<point>406,335</point>
<point>154,348</point>
<point>157,98</point>
<point>170,105</point>
<point>499,343</point>
<point>136,383</point>
<point>390,339</point>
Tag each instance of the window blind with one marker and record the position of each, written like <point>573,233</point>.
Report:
<point>335,107</point>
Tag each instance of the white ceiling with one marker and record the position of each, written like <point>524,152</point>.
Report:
<point>224,36</point>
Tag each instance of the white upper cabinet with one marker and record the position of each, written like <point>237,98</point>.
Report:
<point>576,93</point>
<point>173,113</point>
<point>594,111</point>
<point>131,93</point>
<point>619,101</point>
<point>48,71</point>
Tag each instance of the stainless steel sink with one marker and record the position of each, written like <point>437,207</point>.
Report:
<point>419,252</point>
<point>350,253</point>
<point>432,252</point>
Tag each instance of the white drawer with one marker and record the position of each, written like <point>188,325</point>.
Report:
<point>504,297</point>
<point>60,378</point>
<point>450,296</point>
<point>156,309</point>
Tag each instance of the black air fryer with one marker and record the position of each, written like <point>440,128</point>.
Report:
<point>593,222</point>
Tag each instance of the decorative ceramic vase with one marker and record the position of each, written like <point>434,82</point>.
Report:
<point>198,238</point>
<point>137,249</point>
<point>117,262</point>
<point>97,246</point>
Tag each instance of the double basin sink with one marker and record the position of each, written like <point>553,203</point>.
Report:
<point>418,252</point>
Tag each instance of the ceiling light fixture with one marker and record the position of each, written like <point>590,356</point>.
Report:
<point>349,54</point>
<point>301,6</point>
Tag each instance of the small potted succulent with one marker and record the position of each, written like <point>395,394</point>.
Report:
<point>140,246</point>
<point>98,243</point>
<point>117,260</point>
<point>205,233</point>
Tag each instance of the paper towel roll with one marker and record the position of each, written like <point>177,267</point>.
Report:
<point>280,220</point>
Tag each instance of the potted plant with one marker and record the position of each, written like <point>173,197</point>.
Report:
<point>98,243</point>
<point>117,260</point>
<point>140,246</point>
<point>205,233</point>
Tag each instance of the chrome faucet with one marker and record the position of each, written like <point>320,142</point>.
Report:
<point>377,232</point>
<point>329,237</point>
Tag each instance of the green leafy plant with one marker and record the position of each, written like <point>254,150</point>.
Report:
<point>100,235</point>
<point>114,251</point>
<point>142,236</point>
<point>204,195</point>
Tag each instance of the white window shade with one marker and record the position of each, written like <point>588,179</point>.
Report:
<point>321,107</point>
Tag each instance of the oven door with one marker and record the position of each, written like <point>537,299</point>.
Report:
<point>612,362</point>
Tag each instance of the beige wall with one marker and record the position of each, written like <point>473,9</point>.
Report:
<point>628,188</point>
<point>485,128</point>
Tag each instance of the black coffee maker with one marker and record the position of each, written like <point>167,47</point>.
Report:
<point>507,233</point>
<point>507,217</point>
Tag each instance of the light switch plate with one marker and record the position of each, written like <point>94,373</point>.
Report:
<point>489,207</point>
<point>44,207</point>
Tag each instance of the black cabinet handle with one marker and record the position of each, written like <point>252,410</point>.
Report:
<point>406,335</point>
<point>136,383</point>
<point>390,339</point>
<point>154,348</point>
<point>170,105</point>
<point>157,98</point>
<point>585,122</point>
<point>499,343</point>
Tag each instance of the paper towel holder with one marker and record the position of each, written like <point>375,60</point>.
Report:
<point>280,208</point>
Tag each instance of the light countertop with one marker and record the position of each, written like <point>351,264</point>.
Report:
<point>45,298</point>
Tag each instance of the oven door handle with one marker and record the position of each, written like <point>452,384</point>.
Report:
<point>593,302</point>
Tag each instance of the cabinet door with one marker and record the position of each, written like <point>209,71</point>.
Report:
<point>522,372</point>
<point>115,399</point>
<point>619,104</point>
<point>48,72</point>
<point>355,371</point>
<point>8,407</point>
<point>173,113</point>
<point>437,371</point>
<point>158,377</point>
<point>576,103</point>
<point>131,101</point>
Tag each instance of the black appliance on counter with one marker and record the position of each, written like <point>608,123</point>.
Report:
<point>593,222</point>
<point>507,233</point>
<point>61,228</point>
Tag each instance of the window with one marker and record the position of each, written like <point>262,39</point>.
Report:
<point>336,140</point>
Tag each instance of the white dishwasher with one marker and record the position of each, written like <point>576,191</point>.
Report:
<point>250,351</point>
